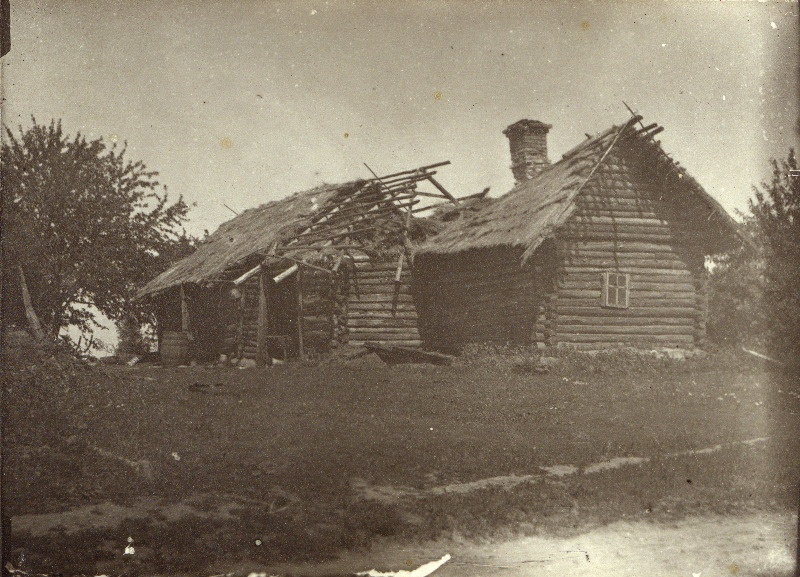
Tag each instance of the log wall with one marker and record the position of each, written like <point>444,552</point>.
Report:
<point>480,296</point>
<point>248,331</point>
<point>379,308</point>
<point>623,223</point>
<point>318,302</point>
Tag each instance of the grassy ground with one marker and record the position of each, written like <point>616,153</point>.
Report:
<point>267,462</point>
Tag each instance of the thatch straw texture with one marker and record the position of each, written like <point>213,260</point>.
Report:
<point>252,232</point>
<point>534,210</point>
<point>531,211</point>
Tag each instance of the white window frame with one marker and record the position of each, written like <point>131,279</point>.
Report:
<point>616,290</point>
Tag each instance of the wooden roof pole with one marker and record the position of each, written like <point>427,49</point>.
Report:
<point>443,190</point>
<point>421,168</point>
<point>247,275</point>
<point>378,178</point>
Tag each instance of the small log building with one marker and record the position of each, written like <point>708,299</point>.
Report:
<point>607,247</point>
<point>326,266</point>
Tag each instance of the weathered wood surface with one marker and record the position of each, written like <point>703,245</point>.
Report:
<point>623,223</point>
<point>485,297</point>
<point>632,339</point>
<point>263,320</point>
<point>380,307</point>
<point>405,343</point>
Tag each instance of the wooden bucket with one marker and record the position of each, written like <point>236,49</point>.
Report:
<point>174,348</point>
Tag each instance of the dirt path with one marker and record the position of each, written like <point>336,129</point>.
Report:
<point>392,494</point>
<point>758,544</point>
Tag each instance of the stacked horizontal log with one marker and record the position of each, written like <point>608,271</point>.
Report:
<point>623,223</point>
<point>340,298</point>
<point>476,297</point>
<point>317,306</point>
<point>249,322</point>
<point>379,308</point>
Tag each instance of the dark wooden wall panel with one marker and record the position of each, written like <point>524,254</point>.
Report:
<point>379,309</point>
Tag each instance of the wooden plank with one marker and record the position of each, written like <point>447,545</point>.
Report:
<point>594,198</point>
<point>679,232</point>
<point>609,245</point>
<point>605,235</point>
<point>184,311</point>
<point>641,210</point>
<point>367,274</point>
<point>674,285</point>
<point>405,343</point>
<point>580,219</point>
<point>636,273</point>
<point>379,298</point>
<point>380,266</point>
<point>263,328</point>
<point>366,307</point>
<point>616,345</point>
<point>613,329</point>
<point>378,289</point>
<point>565,293</point>
<point>606,255</point>
<point>299,284</point>
<point>382,314</point>
<point>636,300</point>
<point>591,276</point>
<point>382,277</point>
<point>593,320</point>
<point>354,323</point>
<point>630,338</point>
<point>628,263</point>
<point>383,330</point>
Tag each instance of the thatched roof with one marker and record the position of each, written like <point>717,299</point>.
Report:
<point>362,214</point>
<point>253,232</point>
<point>534,210</point>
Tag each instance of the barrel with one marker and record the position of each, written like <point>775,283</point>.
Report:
<point>174,348</point>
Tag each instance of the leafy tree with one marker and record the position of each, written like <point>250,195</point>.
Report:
<point>86,225</point>
<point>756,293</point>
<point>736,307</point>
<point>131,340</point>
<point>776,214</point>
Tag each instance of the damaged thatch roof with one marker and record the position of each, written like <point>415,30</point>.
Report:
<point>321,219</point>
<point>254,231</point>
<point>533,210</point>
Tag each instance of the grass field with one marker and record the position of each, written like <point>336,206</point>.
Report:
<point>298,462</point>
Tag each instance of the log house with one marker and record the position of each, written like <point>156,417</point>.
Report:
<point>303,274</point>
<point>605,248</point>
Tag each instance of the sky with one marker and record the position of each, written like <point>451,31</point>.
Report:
<point>239,102</point>
<point>242,102</point>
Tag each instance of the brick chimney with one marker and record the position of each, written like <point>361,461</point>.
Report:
<point>528,142</point>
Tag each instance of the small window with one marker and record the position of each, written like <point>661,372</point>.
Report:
<point>616,289</point>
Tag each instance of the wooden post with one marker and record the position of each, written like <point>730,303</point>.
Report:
<point>240,328</point>
<point>186,322</point>
<point>184,312</point>
<point>299,281</point>
<point>262,357</point>
<point>701,298</point>
<point>399,272</point>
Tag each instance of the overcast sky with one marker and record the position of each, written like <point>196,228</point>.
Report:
<point>241,102</point>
